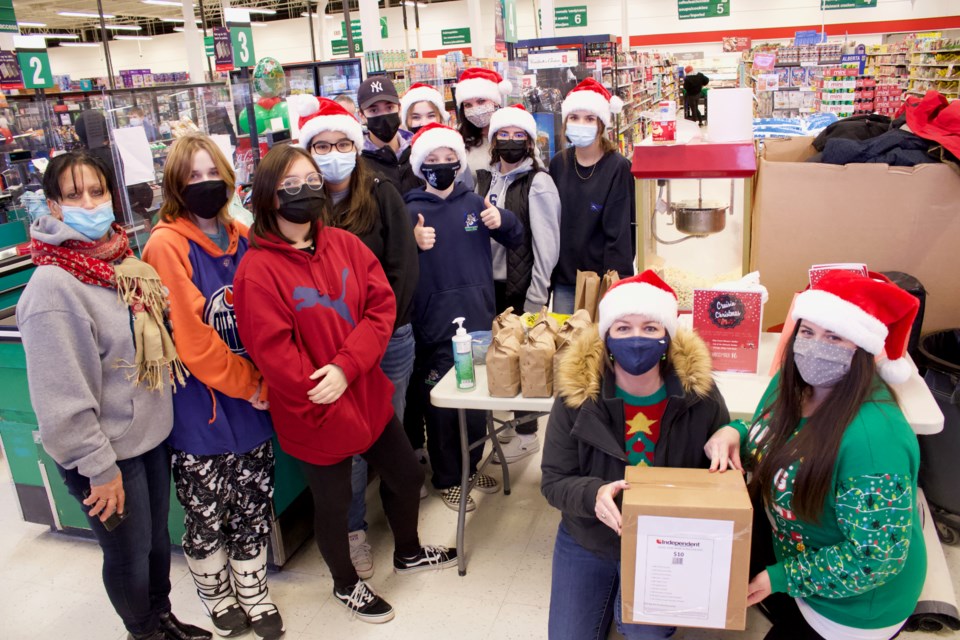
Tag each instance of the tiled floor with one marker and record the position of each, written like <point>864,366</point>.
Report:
<point>51,586</point>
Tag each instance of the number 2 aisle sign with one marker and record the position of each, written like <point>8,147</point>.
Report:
<point>35,66</point>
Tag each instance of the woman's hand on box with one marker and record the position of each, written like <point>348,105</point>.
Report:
<point>606,507</point>
<point>723,449</point>
<point>759,588</point>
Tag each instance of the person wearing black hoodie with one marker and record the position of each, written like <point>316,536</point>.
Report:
<point>453,227</point>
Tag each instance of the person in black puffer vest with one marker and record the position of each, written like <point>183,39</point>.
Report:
<point>516,180</point>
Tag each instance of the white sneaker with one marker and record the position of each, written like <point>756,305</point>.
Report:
<point>360,554</point>
<point>518,448</point>
<point>507,435</point>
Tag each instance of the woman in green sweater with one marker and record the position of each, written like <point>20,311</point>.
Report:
<point>835,463</point>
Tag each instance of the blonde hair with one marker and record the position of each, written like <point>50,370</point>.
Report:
<point>176,175</point>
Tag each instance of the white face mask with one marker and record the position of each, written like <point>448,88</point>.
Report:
<point>581,135</point>
<point>480,116</point>
<point>136,122</point>
<point>336,166</point>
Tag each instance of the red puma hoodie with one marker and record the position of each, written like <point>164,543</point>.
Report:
<point>297,312</point>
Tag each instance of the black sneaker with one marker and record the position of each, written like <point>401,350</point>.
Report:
<point>430,557</point>
<point>364,603</point>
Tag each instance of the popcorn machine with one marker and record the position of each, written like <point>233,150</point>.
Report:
<point>693,213</point>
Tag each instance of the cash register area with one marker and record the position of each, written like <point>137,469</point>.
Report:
<point>51,588</point>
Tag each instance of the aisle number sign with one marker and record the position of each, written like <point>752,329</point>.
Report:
<point>8,20</point>
<point>510,20</point>
<point>34,62</point>
<point>694,9</point>
<point>357,31</point>
<point>450,37</point>
<point>567,17</point>
<point>848,4</point>
<point>341,47</point>
<point>241,37</point>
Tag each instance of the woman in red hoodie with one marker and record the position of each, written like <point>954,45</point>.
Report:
<point>315,312</point>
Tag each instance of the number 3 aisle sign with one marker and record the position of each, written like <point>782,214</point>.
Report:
<point>241,36</point>
<point>34,62</point>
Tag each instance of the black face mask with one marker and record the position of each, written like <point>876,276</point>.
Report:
<point>384,127</point>
<point>440,176</point>
<point>206,199</point>
<point>306,206</point>
<point>512,151</point>
<point>414,130</point>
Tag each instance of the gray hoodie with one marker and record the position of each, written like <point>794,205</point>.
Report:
<point>544,210</point>
<point>74,336</point>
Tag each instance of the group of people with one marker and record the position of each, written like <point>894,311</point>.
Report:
<point>328,321</point>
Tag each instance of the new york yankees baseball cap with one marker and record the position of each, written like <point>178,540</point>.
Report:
<point>375,89</point>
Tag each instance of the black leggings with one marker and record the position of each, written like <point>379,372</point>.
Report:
<point>400,479</point>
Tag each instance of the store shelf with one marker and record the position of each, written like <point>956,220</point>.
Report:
<point>937,64</point>
<point>934,79</point>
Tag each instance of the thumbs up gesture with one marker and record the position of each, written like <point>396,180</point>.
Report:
<point>490,215</point>
<point>426,236</point>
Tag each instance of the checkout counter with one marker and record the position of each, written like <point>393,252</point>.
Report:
<point>42,497</point>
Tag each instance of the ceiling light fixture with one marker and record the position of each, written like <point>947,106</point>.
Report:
<point>83,14</point>
<point>124,27</point>
<point>122,37</point>
<point>257,24</point>
<point>163,3</point>
<point>180,29</point>
<point>38,25</point>
<point>269,12</point>
<point>176,20</point>
<point>58,36</point>
<point>79,44</point>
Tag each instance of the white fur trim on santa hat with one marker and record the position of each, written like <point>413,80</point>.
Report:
<point>422,94</point>
<point>638,298</point>
<point>473,88</point>
<point>844,318</point>
<point>345,124</point>
<point>302,104</point>
<point>591,102</point>
<point>895,371</point>
<point>428,141</point>
<point>512,117</point>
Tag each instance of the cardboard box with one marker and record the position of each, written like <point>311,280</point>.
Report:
<point>685,549</point>
<point>891,218</point>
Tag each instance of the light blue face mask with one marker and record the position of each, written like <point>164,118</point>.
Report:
<point>581,135</point>
<point>92,223</point>
<point>336,166</point>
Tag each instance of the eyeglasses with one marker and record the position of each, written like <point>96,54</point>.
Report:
<point>323,148</point>
<point>506,135</point>
<point>293,186</point>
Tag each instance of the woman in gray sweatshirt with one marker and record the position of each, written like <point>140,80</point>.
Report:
<point>100,367</point>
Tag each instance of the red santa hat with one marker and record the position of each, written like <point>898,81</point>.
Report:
<point>320,114</point>
<point>592,97</point>
<point>874,314</point>
<point>432,137</point>
<point>477,82</point>
<point>644,294</point>
<point>513,116</point>
<point>421,92</point>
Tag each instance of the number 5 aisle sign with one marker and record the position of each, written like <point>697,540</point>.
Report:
<point>34,62</point>
<point>241,36</point>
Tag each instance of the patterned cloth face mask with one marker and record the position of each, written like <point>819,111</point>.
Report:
<point>821,364</point>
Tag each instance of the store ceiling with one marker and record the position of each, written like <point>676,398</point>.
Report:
<point>150,16</point>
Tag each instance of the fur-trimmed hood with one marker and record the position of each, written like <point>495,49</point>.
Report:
<point>581,369</point>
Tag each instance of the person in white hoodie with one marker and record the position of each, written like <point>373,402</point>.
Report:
<point>515,179</point>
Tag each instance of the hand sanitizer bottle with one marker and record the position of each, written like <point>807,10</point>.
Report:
<point>463,358</point>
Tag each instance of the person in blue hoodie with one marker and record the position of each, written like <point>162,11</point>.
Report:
<point>453,227</point>
<point>222,434</point>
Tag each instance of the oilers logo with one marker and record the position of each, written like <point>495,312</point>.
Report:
<point>218,313</point>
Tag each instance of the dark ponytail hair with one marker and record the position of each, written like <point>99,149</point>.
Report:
<point>818,443</point>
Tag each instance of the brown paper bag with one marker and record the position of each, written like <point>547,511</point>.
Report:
<point>552,325</point>
<point>610,278</point>
<point>503,366</point>
<point>570,331</point>
<point>586,293</point>
<point>536,362</point>
<point>512,323</point>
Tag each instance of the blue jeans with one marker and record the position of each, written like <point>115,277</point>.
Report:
<point>563,295</point>
<point>136,555</point>
<point>397,364</point>
<point>585,596</point>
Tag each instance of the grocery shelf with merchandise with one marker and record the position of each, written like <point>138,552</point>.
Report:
<point>645,79</point>
<point>934,66</point>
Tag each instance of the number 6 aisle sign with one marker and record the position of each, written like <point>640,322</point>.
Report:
<point>34,62</point>
<point>241,36</point>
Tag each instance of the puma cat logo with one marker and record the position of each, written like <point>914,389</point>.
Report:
<point>309,297</point>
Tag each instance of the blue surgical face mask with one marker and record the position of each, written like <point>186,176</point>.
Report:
<point>581,135</point>
<point>637,354</point>
<point>336,166</point>
<point>92,223</point>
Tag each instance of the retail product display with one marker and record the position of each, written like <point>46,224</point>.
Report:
<point>935,65</point>
<point>685,548</point>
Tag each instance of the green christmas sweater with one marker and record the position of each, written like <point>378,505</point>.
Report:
<point>863,565</point>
